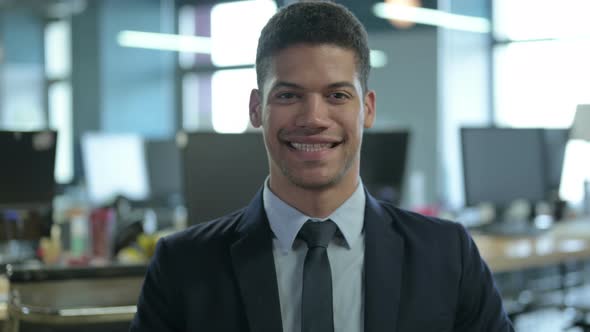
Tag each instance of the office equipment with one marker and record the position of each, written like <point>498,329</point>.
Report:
<point>221,172</point>
<point>383,163</point>
<point>114,164</point>
<point>27,164</point>
<point>554,142</point>
<point>164,171</point>
<point>502,165</point>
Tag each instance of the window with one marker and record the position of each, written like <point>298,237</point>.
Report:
<point>542,72</point>
<point>539,84</point>
<point>230,97</point>
<point>58,67</point>
<point>58,60</point>
<point>216,86</point>
<point>235,44</point>
<point>60,119</point>
<point>541,19</point>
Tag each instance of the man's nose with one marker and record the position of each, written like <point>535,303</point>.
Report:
<point>314,112</point>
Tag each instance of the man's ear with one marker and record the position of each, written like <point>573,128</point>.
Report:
<point>370,109</point>
<point>255,108</point>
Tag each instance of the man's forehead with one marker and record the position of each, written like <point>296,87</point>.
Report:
<point>301,50</point>
<point>306,64</point>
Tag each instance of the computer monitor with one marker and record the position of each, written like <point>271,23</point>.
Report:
<point>26,168</point>
<point>114,164</point>
<point>221,172</point>
<point>383,163</point>
<point>501,165</point>
<point>164,170</point>
<point>555,142</point>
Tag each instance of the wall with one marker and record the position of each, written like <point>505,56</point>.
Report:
<point>137,85</point>
<point>21,70</point>
<point>120,89</point>
<point>464,100</point>
<point>407,98</point>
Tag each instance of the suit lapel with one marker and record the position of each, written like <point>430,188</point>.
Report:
<point>253,263</point>
<point>384,254</point>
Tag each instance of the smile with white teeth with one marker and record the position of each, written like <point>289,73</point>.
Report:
<point>311,147</point>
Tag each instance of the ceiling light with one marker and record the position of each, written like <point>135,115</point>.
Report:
<point>433,17</point>
<point>164,41</point>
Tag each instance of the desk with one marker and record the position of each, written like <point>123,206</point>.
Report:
<point>569,240</point>
<point>72,295</point>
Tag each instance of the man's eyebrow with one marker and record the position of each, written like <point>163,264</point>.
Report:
<point>283,84</point>
<point>343,84</point>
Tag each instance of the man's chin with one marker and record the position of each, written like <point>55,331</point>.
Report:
<point>315,183</point>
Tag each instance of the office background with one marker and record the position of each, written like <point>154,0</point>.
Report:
<point>63,67</point>
<point>88,66</point>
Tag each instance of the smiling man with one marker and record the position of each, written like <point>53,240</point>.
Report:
<point>314,251</point>
<point>313,108</point>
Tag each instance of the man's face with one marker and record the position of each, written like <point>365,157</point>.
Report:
<point>312,111</point>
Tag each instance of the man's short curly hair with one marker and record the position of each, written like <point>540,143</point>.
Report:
<point>312,22</point>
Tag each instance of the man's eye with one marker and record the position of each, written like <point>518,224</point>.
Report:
<point>286,95</point>
<point>338,95</point>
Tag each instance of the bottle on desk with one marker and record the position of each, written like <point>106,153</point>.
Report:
<point>102,227</point>
<point>51,248</point>
<point>79,236</point>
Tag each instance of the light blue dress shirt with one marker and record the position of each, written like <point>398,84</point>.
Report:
<point>346,253</point>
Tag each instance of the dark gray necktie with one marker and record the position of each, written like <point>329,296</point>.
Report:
<point>316,301</point>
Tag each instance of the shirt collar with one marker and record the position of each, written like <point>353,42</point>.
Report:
<point>286,221</point>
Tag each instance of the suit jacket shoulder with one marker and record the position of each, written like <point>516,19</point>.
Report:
<point>437,278</point>
<point>190,281</point>
<point>418,226</point>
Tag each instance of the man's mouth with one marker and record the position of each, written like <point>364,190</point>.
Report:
<point>311,147</point>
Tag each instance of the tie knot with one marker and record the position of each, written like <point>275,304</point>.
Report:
<point>318,234</point>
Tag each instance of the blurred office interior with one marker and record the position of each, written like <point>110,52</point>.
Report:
<point>124,121</point>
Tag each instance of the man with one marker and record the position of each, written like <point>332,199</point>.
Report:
<point>314,251</point>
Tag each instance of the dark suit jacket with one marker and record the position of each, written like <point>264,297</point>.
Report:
<point>421,274</point>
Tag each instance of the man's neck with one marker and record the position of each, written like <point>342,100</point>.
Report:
<point>317,203</point>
